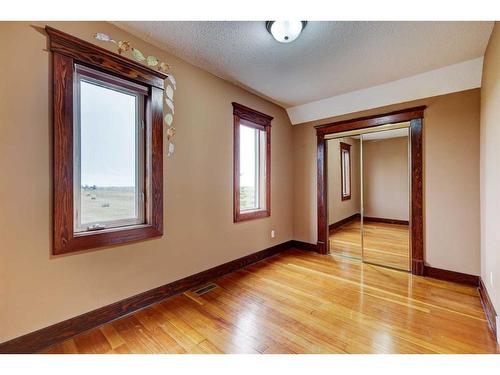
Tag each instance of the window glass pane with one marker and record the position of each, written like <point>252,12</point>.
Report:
<point>249,168</point>
<point>345,173</point>
<point>108,156</point>
<point>262,168</point>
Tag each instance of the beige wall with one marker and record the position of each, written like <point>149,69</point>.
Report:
<point>37,290</point>
<point>385,178</point>
<point>337,208</point>
<point>451,179</point>
<point>490,169</point>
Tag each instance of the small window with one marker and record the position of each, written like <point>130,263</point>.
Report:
<point>252,152</point>
<point>345,167</point>
<point>108,147</point>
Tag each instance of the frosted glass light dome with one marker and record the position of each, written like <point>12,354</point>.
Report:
<point>285,31</point>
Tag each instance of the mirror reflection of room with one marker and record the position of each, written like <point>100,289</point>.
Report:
<point>386,198</point>
<point>344,196</point>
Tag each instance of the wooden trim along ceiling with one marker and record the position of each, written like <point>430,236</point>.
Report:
<point>415,117</point>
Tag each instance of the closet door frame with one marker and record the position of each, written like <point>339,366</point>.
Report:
<point>415,116</point>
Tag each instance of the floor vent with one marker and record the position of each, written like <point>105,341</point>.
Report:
<point>205,289</point>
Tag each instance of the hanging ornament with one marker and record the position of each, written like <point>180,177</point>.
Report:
<point>138,55</point>
<point>124,46</point>
<point>152,61</point>
<point>171,148</point>
<point>170,92</point>
<point>171,78</point>
<point>103,37</point>
<point>170,105</point>
<point>170,133</point>
<point>168,119</point>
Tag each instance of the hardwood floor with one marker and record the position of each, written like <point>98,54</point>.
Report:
<point>302,302</point>
<point>384,244</point>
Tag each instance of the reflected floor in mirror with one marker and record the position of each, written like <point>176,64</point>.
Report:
<point>303,302</point>
<point>346,240</point>
<point>384,243</point>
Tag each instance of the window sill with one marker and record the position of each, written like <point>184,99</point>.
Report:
<point>251,215</point>
<point>106,237</point>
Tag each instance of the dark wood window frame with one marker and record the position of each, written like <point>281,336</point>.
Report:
<point>345,147</point>
<point>68,52</point>
<point>260,121</point>
<point>415,116</point>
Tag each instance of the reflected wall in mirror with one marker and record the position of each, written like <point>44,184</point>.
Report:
<point>344,196</point>
<point>386,235</point>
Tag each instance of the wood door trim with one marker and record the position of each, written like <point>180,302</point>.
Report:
<point>371,121</point>
<point>415,116</point>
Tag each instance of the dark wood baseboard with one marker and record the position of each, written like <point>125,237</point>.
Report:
<point>417,267</point>
<point>384,220</point>
<point>446,275</point>
<point>45,337</point>
<point>489,310</point>
<point>342,222</point>
<point>304,246</point>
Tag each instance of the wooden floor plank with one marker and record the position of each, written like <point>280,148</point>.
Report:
<point>302,302</point>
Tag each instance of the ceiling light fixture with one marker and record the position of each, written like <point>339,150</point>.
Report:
<point>285,31</point>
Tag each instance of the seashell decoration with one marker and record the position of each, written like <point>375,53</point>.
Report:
<point>124,46</point>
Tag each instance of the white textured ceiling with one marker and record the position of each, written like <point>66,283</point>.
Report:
<point>328,59</point>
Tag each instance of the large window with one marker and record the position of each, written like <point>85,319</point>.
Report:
<point>252,152</point>
<point>108,158</point>
<point>108,153</point>
<point>345,168</point>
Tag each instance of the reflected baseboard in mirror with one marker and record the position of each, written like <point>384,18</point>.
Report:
<point>342,222</point>
<point>385,220</point>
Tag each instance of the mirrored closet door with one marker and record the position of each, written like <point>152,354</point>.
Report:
<point>368,196</point>
<point>344,196</point>
<point>385,198</point>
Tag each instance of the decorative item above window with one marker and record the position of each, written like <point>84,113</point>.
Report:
<point>155,63</point>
